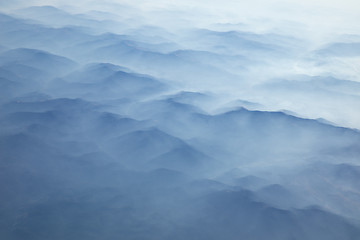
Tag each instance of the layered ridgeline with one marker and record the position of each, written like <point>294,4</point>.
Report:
<point>116,130</point>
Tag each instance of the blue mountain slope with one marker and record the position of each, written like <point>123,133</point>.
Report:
<point>138,147</point>
<point>167,65</point>
<point>42,60</point>
<point>341,49</point>
<point>220,61</point>
<point>268,136</point>
<point>109,125</point>
<point>53,16</point>
<point>348,173</point>
<point>333,184</point>
<point>132,82</point>
<point>8,89</point>
<point>265,123</point>
<point>185,159</point>
<point>59,104</point>
<point>234,215</point>
<point>220,213</point>
<point>189,97</point>
<point>47,11</point>
<point>249,182</point>
<point>27,72</point>
<point>244,134</point>
<point>93,73</point>
<point>14,83</point>
<point>112,85</point>
<point>3,48</point>
<point>5,73</point>
<point>319,86</point>
<point>17,33</point>
<point>166,109</point>
<point>280,197</point>
<point>110,39</point>
<point>152,33</point>
<point>128,54</point>
<point>55,120</point>
<point>11,23</point>
<point>240,42</point>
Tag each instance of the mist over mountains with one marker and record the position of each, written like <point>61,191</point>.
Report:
<point>141,121</point>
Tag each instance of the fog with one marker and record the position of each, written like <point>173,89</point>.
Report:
<point>179,120</point>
